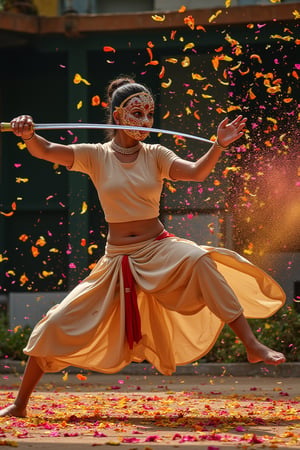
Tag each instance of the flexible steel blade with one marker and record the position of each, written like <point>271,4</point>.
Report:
<point>99,126</point>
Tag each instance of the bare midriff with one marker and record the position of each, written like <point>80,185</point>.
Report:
<point>132,232</point>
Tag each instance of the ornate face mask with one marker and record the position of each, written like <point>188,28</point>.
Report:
<point>138,112</point>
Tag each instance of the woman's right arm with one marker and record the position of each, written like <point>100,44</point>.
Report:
<point>38,146</point>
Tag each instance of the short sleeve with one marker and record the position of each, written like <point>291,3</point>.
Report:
<point>165,158</point>
<point>86,158</point>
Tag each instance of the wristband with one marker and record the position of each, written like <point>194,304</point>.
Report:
<point>219,145</point>
<point>28,139</point>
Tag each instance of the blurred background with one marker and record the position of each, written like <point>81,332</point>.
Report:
<point>202,64</point>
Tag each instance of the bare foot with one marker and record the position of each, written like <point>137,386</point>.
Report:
<point>13,410</point>
<point>261,352</point>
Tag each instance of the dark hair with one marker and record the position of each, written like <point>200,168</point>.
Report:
<point>117,91</point>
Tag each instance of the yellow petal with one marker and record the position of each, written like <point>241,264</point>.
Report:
<point>158,18</point>
<point>172,60</point>
<point>166,85</point>
<point>197,76</point>
<point>214,16</point>
<point>185,62</point>
<point>83,208</point>
<point>189,46</point>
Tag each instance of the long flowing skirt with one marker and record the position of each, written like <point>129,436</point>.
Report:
<point>185,294</point>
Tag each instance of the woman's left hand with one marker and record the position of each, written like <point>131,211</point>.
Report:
<point>230,132</point>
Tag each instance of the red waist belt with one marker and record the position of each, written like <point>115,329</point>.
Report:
<point>132,315</point>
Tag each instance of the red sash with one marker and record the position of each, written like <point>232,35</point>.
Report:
<point>132,315</point>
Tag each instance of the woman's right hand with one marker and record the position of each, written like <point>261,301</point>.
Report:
<point>23,126</point>
<point>40,147</point>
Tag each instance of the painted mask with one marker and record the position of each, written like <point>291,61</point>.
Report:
<point>137,112</point>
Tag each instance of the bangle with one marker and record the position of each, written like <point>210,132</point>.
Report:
<point>29,138</point>
<point>219,145</point>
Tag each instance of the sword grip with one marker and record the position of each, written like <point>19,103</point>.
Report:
<point>5,126</point>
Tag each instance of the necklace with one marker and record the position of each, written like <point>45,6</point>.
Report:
<point>124,150</point>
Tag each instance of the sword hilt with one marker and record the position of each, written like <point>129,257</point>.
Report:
<point>5,126</point>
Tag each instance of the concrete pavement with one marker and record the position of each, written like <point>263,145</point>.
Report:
<point>79,411</point>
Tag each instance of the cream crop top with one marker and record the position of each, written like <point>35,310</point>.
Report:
<point>126,191</point>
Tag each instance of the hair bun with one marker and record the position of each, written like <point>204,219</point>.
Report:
<point>115,84</point>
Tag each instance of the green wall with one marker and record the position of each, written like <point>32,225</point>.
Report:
<point>38,79</point>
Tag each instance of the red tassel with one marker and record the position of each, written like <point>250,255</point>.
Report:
<point>132,315</point>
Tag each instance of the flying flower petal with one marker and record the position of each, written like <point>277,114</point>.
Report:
<point>158,18</point>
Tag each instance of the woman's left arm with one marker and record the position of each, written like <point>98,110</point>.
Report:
<point>197,171</point>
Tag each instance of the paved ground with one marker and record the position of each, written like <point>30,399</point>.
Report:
<point>76,411</point>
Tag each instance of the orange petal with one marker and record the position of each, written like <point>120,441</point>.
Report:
<point>81,377</point>
<point>35,251</point>
<point>23,237</point>
<point>254,56</point>
<point>189,21</point>
<point>107,48</point>
<point>95,100</point>
<point>162,72</point>
<point>23,279</point>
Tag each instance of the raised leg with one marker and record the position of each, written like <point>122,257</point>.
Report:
<point>31,377</point>
<point>256,351</point>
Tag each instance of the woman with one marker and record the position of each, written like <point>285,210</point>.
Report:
<point>152,296</point>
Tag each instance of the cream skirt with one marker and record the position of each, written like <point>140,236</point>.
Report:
<point>185,294</point>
